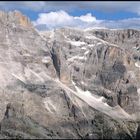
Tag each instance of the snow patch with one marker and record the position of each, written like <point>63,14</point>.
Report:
<point>77,57</point>
<point>84,48</point>
<point>88,93</point>
<point>49,106</point>
<point>97,103</point>
<point>20,78</point>
<point>137,65</point>
<point>91,45</point>
<point>106,104</point>
<point>77,43</point>
<point>83,83</point>
<point>86,52</point>
<point>46,60</point>
<point>90,37</point>
<point>99,43</point>
<point>138,90</point>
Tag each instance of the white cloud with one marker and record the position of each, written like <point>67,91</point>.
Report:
<point>86,18</point>
<point>61,18</point>
<point>54,18</point>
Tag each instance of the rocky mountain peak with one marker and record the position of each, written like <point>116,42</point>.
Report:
<point>22,19</point>
<point>15,17</point>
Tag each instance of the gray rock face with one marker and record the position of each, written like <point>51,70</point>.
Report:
<point>95,64</point>
<point>66,83</point>
<point>16,125</point>
<point>127,39</point>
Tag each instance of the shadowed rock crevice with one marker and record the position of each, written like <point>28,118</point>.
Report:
<point>56,62</point>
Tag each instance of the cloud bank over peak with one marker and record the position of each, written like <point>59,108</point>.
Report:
<point>53,19</point>
<point>58,19</point>
<point>61,19</point>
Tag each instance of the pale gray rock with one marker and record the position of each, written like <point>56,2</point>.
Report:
<point>66,83</point>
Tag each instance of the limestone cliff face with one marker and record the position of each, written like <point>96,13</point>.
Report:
<point>94,63</point>
<point>67,83</point>
<point>128,39</point>
<point>23,20</point>
<point>15,18</point>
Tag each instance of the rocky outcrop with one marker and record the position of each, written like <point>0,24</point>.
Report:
<point>16,125</point>
<point>126,38</point>
<point>15,18</point>
<point>94,63</point>
<point>59,61</point>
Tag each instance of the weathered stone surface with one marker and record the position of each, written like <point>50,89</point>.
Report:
<point>67,83</point>
<point>16,125</point>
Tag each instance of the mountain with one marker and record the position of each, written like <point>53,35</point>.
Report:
<point>68,83</point>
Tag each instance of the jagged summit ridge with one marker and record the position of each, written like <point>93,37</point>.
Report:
<point>15,17</point>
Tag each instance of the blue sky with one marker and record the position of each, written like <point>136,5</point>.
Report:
<point>84,14</point>
<point>33,15</point>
